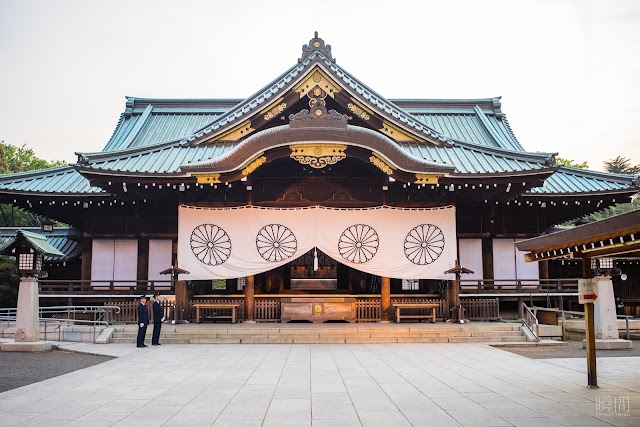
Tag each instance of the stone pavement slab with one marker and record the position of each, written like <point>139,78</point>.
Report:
<point>333,385</point>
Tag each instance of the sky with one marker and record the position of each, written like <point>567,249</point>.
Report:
<point>568,71</point>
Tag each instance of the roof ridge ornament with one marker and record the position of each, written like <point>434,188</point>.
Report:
<point>317,115</point>
<point>316,44</point>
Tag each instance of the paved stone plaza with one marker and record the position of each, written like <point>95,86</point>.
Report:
<point>328,385</point>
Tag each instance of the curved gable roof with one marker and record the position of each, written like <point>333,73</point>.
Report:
<point>288,81</point>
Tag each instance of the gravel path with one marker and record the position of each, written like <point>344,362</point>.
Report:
<point>573,349</point>
<point>20,369</point>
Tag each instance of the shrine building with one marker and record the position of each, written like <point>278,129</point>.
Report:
<point>316,186</point>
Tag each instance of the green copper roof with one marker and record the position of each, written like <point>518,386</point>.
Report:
<point>158,136</point>
<point>65,239</point>
<point>56,181</point>
<point>38,241</point>
<point>158,124</point>
<point>568,180</point>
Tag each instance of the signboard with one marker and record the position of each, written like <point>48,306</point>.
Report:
<point>587,291</point>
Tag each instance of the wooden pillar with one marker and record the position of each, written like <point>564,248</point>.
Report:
<point>85,269</point>
<point>143,263</point>
<point>590,331</point>
<point>454,299</point>
<point>182,300</point>
<point>249,299</point>
<point>385,299</point>
<point>487,261</point>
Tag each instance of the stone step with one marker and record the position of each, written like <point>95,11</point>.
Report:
<point>325,334</point>
<point>323,331</point>
<point>290,338</point>
<point>327,330</point>
<point>327,340</point>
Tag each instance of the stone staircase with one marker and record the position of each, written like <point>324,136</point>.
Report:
<point>328,333</point>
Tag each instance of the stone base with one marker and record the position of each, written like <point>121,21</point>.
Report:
<point>34,346</point>
<point>610,344</point>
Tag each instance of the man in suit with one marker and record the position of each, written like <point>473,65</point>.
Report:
<point>158,318</point>
<point>143,321</point>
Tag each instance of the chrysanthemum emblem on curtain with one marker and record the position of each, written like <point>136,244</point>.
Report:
<point>424,244</point>
<point>358,243</point>
<point>276,242</point>
<point>210,244</point>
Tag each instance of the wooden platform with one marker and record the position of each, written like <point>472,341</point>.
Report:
<point>308,333</point>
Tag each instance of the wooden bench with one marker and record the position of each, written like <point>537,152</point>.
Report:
<point>416,305</point>
<point>232,307</point>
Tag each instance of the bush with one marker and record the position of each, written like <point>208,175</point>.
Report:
<point>8,283</point>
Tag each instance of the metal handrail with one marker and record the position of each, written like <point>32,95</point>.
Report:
<point>69,310</point>
<point>531,322</point>
<point>59,322</point>
<point>9,319</point>
<point>563,313</point>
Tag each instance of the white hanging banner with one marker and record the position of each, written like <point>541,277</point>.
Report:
<point>225,243</point>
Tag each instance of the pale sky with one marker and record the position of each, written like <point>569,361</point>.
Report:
<point>568,70</point>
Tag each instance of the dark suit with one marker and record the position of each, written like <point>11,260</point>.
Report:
<point>143,318</point>
<point>158,314</point>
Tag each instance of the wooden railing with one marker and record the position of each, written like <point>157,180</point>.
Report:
<point>542,286</point>
<point>367,309</point>
<point>129,311</point>
<point>481,308</point>
<point>92,287</point>
<point>267,310</point>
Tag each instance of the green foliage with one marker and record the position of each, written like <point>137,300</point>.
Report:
<point>16,159</point>
<point>621,165</point>
<point>573,164</point>
<point>11,216</point>
<point>615,210</point>
<point>219,284</point>
<point>21,159</point>
<point>8,283</point>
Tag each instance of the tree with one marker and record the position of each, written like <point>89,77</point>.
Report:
<point>621,165</point>
<point>8,283</point>
<point>20,159</point>
<point>618,209</point>
<point>573,164</point>
<point>16,159</point>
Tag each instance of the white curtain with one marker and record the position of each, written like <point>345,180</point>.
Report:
<point>509,263</point>
<point>471,257</point>
<point>102,255</point>
<point>159,259</point>
<point>236,242</point>
<point>114,260</point>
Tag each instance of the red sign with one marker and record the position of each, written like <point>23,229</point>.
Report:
<point>587,291</point>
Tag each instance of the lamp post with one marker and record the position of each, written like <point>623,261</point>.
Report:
<point>29,250</point>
